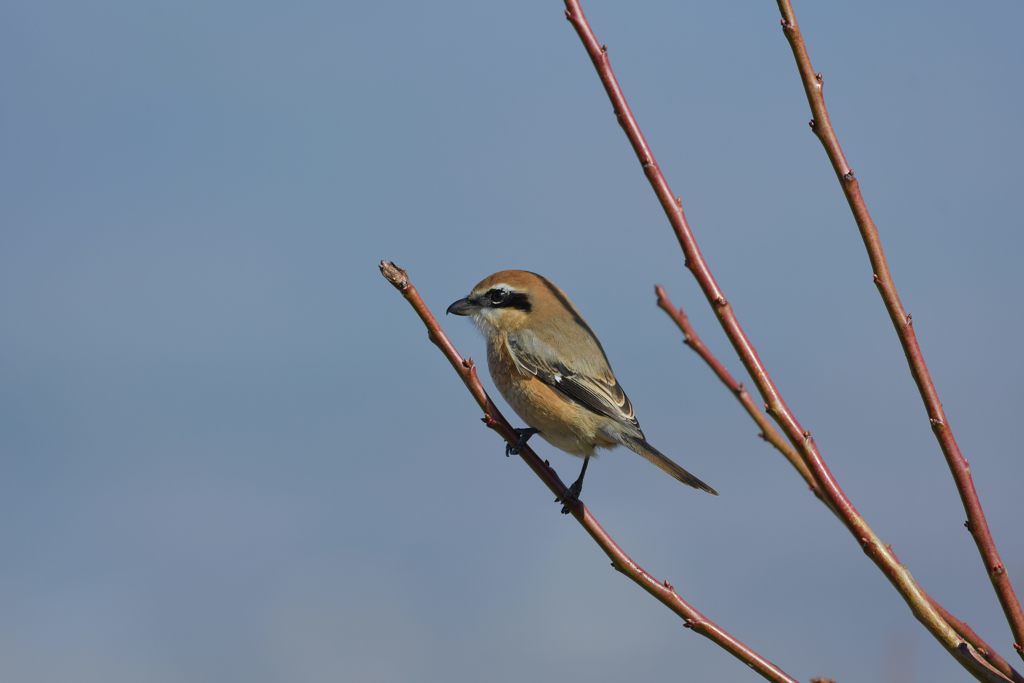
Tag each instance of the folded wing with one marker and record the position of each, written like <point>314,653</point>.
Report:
<point>594,388</point>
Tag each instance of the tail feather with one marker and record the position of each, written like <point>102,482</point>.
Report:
<point>664,463</point>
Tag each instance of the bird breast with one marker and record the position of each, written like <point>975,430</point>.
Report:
<point>561,422</point>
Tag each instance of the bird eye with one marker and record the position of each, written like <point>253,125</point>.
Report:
<point>497,296</point>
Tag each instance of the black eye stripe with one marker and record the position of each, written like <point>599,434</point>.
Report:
<point>504,298</point>
<point>518,300</point>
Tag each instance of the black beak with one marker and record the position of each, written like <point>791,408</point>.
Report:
<point>462,307</point>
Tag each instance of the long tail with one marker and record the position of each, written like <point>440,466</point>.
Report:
<point>641,447</point>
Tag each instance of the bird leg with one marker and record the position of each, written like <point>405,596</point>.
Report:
<point>572,496</point>
<point>524,435</point>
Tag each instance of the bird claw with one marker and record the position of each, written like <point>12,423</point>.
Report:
<point>524,435</point>
<point>571,498</point>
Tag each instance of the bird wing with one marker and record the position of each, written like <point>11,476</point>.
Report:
<point>595,389</point>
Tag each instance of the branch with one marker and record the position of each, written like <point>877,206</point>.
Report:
<point>768,432</point>
<point>661,590</point>
<point>986,651</point>
<point>879,552</point>
<point>901,320</point>
<point>772,436</point>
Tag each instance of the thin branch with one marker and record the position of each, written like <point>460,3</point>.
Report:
<point>768,431</point>
<point>770,434</point>
<point>986,650</point>
<point>661,590</point>
<point>872,545</point>
<point>821,124</point>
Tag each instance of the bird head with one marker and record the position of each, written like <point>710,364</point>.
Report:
<point>503,302</point>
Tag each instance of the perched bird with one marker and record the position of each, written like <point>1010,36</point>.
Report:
<point>552,370</point>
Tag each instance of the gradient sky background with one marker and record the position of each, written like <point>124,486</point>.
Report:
<point>230,454</point>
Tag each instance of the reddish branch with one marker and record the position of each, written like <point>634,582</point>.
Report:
<point>993,657</point>
<point>772,436</point>
<point>768,432</point>
<point>661,590</point>
<point>901,320</point>
<point>872,545</point>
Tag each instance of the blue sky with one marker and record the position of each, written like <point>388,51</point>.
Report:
<point>227,451</point>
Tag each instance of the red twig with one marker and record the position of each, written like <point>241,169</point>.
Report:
<point>661,590</point>
<point>772,436</point>
<point>878,551</point>
<point>821,124</point>
<point>768,432</point>
<point>986,651</point>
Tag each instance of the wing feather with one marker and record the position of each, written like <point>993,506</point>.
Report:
<point>597,392</point>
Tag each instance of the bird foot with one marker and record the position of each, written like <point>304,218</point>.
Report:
<point>524,435</point>
<point>572,497</point>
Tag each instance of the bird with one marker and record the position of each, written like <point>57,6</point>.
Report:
<point>552,370</point>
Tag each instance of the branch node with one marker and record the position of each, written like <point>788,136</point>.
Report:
<point>668,585</point>
<point>967,525</point>
<point>787,27</point>
<point>910,320</point>
<point>721,301</point>
<point>877,280</point>
<point>818,77</point>
<point>849,176</point>
<point>936,423</point>
<point>762,436</point>
<point>998,570</point>
<point>604,49</point>
<point>1018,648</point>
<point>813,124</point>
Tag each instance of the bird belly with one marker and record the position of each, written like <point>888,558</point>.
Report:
<point>561,422</point>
